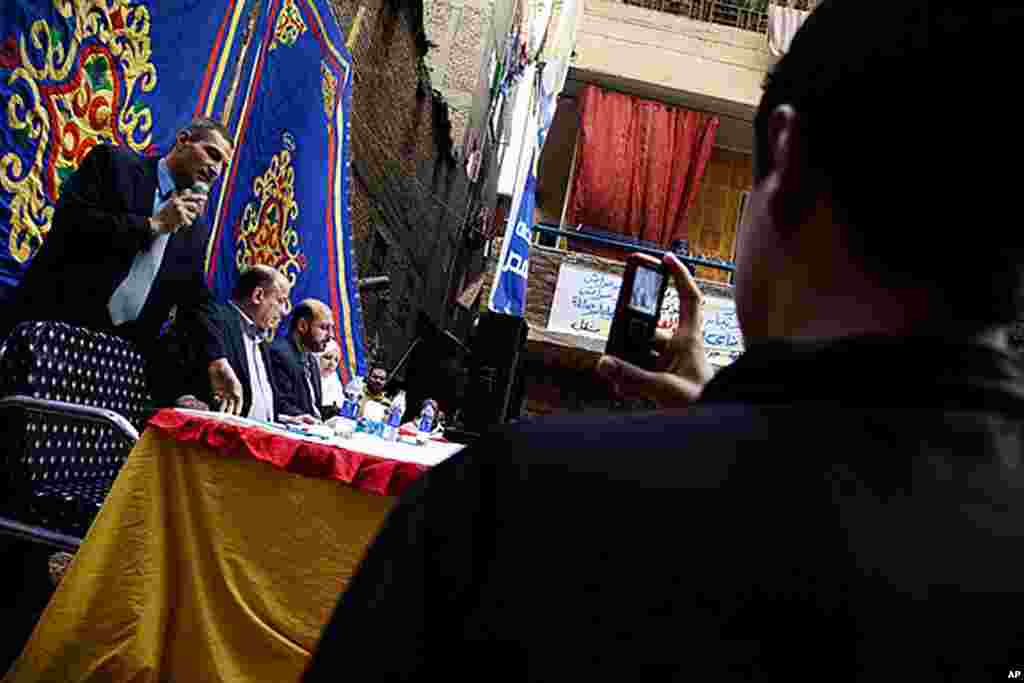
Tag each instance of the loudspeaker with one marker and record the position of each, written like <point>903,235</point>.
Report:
<point>494,368</point>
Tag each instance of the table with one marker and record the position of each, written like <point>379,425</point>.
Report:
<point>219,554</point>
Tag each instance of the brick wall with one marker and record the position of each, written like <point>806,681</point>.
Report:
<point>408,195</point>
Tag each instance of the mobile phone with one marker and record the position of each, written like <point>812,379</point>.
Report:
<point>638,310</point>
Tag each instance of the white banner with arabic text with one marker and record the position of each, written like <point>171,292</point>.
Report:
<point>584,304</point>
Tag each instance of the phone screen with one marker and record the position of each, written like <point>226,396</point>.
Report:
<point>646,285</point>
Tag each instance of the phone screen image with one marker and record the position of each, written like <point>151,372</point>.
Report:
<point>646,285</point>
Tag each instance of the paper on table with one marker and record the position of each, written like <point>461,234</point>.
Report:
<point>375,411</point>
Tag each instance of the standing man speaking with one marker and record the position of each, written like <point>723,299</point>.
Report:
<point>127,246</point>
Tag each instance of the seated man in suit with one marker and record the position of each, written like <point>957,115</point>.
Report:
<point>294,362</point>
<point>257,303</point>
<point>127,246</point>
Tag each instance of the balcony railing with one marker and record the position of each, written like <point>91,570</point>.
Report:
<point>680,248</point>
<point>749,15</point>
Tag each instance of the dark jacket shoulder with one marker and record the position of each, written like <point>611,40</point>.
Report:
<point>291,389</point>
<point>283,347</point>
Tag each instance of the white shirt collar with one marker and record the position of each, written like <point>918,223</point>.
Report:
<point>247,322</point>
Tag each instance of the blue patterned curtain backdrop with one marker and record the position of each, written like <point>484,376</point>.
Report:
<point>77,72</point>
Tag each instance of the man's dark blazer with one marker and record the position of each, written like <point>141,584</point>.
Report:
<point>845,511</point>
<point>188,360</point>
<point>290,379</point>
<point>99,225</point>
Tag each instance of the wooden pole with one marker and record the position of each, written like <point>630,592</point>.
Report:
<point>563,243</point>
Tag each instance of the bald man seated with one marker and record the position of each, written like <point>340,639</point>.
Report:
<point>294,363</point>
<point>257,304</point>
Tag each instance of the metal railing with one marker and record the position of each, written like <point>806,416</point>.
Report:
<point>682,254</point>
<point>749,15</point>
<point>100,416</point>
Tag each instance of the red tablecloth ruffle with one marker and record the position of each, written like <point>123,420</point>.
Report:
<point>324,461</point>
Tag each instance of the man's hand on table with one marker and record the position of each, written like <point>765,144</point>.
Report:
<point>227,390</point>
<point>681,369</point>
<point>191,402</point>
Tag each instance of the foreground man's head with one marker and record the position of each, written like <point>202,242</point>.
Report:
<point>872,184</point>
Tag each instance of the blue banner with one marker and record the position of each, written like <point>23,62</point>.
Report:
<point>132,73</point>
<point>509,293</point>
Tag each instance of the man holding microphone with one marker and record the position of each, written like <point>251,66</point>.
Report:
<point>127,247</point>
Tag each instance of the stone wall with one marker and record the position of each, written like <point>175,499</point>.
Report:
<point>461,33</point>
<point>409,197</point>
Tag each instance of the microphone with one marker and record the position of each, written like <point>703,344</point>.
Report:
<point>199,187</point>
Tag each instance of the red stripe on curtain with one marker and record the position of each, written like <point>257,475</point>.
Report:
<point>638,167</point>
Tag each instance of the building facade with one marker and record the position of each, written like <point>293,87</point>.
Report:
<point>709,57</point>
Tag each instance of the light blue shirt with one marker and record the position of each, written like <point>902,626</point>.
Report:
<point>164,184</point>
<point>130,296</point>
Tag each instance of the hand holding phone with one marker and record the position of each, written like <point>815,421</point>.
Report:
<point>672,369</point>
<point>637,311</point>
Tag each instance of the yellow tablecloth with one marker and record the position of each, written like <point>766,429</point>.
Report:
<point>202,567</point>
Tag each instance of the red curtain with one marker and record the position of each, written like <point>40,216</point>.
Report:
<point>638,166</point>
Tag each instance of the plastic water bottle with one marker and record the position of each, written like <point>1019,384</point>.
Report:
<point>425,422</point>
<point>353,394</point>
<point>349,413</point>
<point>395,414</point>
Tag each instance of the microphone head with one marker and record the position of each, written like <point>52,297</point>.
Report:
<point>200,187</point>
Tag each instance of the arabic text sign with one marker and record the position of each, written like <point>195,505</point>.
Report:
<point>584,304</point>
<point>509,293</point>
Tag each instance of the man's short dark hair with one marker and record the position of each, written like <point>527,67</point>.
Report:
<point>304,311</point>
<point>257,276</point>
<point>893,125</point>
<point>203,125</point>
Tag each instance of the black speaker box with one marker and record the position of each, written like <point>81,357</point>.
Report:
<point>492,395</point>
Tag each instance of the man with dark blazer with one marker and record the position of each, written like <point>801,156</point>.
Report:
<point>243,326</point>
<point>127,245</point>
<point>295,366</point>
<point>845,502</point>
